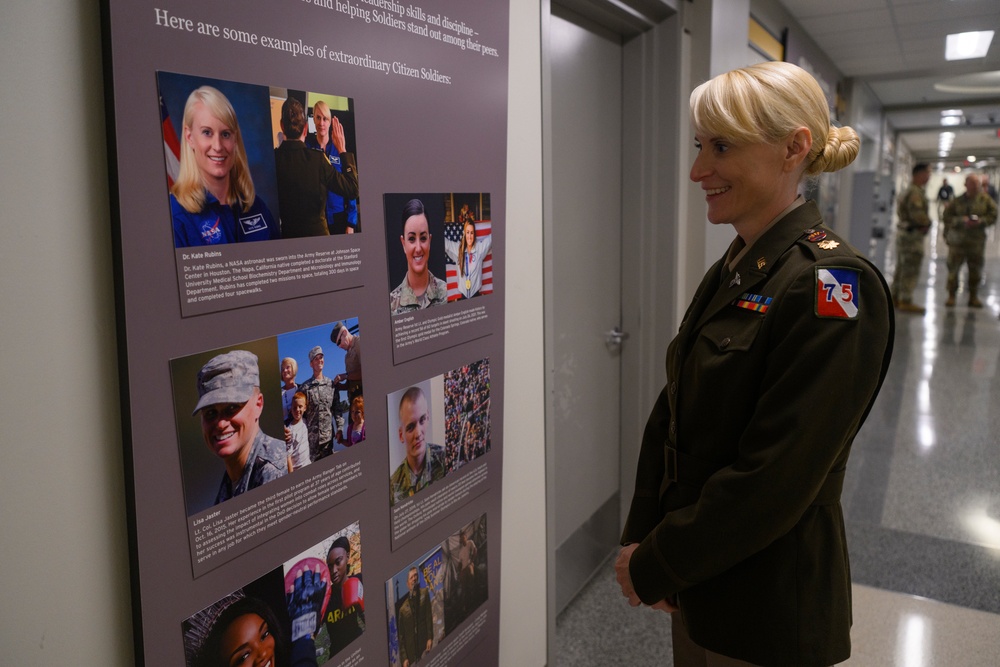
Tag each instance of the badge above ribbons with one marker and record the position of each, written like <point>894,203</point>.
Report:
<point>837,292</point>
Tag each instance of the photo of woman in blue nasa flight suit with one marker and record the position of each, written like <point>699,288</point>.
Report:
<point>213,199</point>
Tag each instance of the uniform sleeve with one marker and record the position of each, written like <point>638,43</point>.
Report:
<point>949,214</point>
<point>343,183</point>
<point>990,217</point>
<point>644,512</point>
<point>916,205</point>
<point>425,610</point>
<point>813,394</point>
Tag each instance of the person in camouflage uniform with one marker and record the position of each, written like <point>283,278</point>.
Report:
<point>965,221</point>
<point>424,462</point>
<point>910,232</point>
<point>322,403</point>
<point>420,288</point>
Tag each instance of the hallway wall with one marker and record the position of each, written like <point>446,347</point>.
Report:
<point>64,550</point>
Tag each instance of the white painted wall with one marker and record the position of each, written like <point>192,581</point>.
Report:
<point>63,553</point>
<point>523,583</point>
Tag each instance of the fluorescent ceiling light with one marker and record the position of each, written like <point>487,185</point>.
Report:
<point>965,45</point>
<point>951,120</point>
<point>977,83</point>
<point>951,112</point>
<point>971,158</point>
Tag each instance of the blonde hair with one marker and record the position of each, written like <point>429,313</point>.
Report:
<point>322,107</point>
<point>767,102</point>
<point>189,188</point>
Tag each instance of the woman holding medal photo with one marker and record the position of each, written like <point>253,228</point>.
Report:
<point>213,200</point>
<point>735,526</point>
<point>468,254</point>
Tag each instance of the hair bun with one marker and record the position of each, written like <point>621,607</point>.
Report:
<point>842,147</point>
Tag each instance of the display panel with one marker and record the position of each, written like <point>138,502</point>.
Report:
<point>263,158</point>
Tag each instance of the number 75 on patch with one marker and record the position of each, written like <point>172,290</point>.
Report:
<point>837,292</point>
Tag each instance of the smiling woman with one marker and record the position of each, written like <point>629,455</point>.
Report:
<point>420,288</point>
<point>736,519</point>
<point>213,200</point>
<point>246,633</point>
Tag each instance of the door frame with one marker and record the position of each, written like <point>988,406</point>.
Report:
<point>652,154</point>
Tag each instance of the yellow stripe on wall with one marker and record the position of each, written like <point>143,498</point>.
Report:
<point>765,42</point>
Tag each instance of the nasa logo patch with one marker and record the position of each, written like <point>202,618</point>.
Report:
<point>837,292</point>
<point>211,233</point>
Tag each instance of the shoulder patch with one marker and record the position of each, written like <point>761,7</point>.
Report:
<point>837,291</point>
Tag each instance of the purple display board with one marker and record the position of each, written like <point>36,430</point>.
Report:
<point>309,223</point>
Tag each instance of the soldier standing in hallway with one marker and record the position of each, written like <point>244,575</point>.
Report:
<point>913,226</point>
<point>965,222</point>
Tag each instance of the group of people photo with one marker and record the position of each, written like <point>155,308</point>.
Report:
<point>250,414</point>
<point>466,413</point>
<point>462,256</point>
<point>287,170</point>
<point>452,409</point>
<point>301,614</point>
<point>430,598</point>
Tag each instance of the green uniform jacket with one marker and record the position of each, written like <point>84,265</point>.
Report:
<point>912,210</point>
<point>955,230</point>
<point>304,177</point>
<point>762,402</point>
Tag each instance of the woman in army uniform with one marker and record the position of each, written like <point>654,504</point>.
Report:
<point>420,288</point>
<point>735,525</point>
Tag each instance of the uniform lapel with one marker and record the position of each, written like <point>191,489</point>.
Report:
<point>753,268</point>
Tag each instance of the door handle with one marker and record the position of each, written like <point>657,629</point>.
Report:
<point>613,338</point>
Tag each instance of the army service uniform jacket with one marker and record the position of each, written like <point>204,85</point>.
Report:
<point>737,500</point>
<point>305,176</point>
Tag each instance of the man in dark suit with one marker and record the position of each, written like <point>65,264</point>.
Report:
<point>306,175</point>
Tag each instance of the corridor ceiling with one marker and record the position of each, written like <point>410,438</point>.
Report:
<point>897,48</point>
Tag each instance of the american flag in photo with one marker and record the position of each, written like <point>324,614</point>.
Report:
<point>171,146</point>
<point>453,232</point>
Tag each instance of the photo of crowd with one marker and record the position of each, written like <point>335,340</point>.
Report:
<point>460,400</point>
<point>431,597</point>
<point>247,163</point>
<point>467,413</point>
<point>252,413</point>
<point>300,614</point>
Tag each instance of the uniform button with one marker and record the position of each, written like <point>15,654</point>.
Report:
<point>725,342</point>
<point>673,428</point>
<point>673,388</point>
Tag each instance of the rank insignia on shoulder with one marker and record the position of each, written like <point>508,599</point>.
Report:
<point>837,292</point>
<point>815,235</point>
<point>829,245</point>
<point>755,302</point>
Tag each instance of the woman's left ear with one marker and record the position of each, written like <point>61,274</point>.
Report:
<point>798,146</point>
